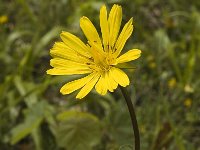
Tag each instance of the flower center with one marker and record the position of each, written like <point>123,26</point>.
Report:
<point>104,64</point>
<point>103,60</point>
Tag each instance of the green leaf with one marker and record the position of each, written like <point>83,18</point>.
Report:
<point>22,130</point>
<point>119,125</point>
<point>162,40</point>
<point>71,114</point>
<point>33,118</point>
<point>53,33</point>
<point>44,138</point>
<point>78,130</point>
<point>14,36</point>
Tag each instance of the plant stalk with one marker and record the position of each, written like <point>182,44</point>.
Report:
<point>133,117</point>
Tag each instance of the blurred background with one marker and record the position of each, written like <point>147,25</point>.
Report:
<point>165,87</point>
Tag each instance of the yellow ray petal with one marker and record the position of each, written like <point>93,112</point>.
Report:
<point>97,52</point>
<point>109,80</point>
<point>76,84</point>
<point>89,30</point>
<point>124,35</point>
<point>101,86</point>
<point>67,64</point>
<point>75,43</point>
<point>71,71</point>
<point>61,45</point>
<point>61,50</point>
<point>114,20</point>
<point>88,87</point>
<point>129,56</point>
<point>119,76</point>
<point>104,27</point>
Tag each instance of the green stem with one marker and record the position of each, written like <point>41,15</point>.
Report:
<point>133,117</point>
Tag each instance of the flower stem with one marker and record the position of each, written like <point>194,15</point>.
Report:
<point>133,117</point>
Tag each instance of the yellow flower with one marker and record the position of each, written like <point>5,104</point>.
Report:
<point>150,58</point>
<point>172,83</point>
<point>152,65</point>
<point>142,129</point>
<point>188,88</point>
<point>3,19</point>
<point>97,58</point>
<point>188,102</point>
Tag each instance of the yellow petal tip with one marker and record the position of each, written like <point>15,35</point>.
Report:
<point>103,6</point>
<point>48,71</point>
<point>62,91</point>
<point>83,18</point>
<point>78,97</point>
<point>138,50</point>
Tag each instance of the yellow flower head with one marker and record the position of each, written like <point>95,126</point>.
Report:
<point>98,58</point>
<point>3,19</point>
<point>188,89</point>
<point>188,102</point>
<point>172,83</point>
<point>152,65</point>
